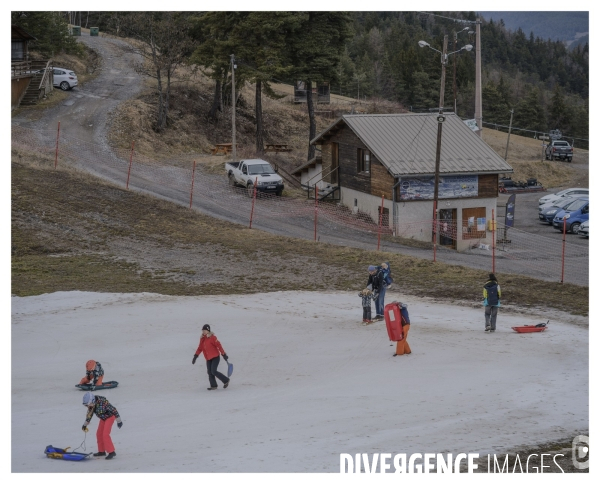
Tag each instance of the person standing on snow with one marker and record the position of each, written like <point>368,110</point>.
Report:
<point>94,374</point>
<point>491,301</point>
<point>376,284</point>
<point>107,414</point>
<point>211,347</point>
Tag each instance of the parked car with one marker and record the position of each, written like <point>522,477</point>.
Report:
<point>549,210</point>
<point>584,229</point>
<point>559,149</point>
<point>577,213</point>
<point>567,192</point>
<point>64,78</point>
<point>246,172</point>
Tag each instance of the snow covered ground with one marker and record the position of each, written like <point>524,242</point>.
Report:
<point>310,382</point>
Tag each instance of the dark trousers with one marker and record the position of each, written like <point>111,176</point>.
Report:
<point>366,312</point>
<point>211,367</point>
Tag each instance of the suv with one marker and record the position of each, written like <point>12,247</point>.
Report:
<point>559,149</point>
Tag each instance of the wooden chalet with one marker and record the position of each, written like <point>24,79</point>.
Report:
<point>365,157</point>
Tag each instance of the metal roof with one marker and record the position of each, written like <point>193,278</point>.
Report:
<point>406,144</point>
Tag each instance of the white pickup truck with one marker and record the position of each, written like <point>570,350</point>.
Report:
<point>246,172</point>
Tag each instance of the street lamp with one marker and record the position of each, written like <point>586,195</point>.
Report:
<point>440,119</point>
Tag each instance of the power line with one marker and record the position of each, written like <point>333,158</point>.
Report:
<point>473,22</point>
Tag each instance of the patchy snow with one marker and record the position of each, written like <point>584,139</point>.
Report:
<point>310,382</point>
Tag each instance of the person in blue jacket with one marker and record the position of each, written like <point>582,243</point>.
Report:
<point>491,302</point>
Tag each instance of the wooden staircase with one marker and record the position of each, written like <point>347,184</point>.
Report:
<point>40,83</point>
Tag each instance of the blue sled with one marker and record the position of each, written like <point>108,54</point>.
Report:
<point>56,453</point>
<point>91,388</point>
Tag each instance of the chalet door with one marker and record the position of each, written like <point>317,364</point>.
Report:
<point>335,163</point>
<point>448,227</point>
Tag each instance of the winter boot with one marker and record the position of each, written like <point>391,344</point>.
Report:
<point>211,388</point>
<point>487,329</point>
<point>111,455</point>
<point>99,454</point>
<point>226,384</point>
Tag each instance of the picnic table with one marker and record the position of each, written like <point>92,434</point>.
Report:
<point>222,149</point>
<point>277,148</point>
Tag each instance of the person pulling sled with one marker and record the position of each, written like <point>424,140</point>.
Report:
<point>107,414</point>
<point>212,349</point>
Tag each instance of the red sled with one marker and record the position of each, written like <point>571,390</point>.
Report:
<point>529,329</point>
<point>393,321</point>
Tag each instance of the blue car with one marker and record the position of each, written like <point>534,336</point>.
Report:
<point>576,213</point>
<point>548,211</point>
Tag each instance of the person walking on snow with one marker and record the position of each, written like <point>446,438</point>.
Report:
<point>94,374</point>
<point>211,347</point>
<point>107,414</point>
<point>375,284</point>
<point>491,301</point>
<point>366,296</point>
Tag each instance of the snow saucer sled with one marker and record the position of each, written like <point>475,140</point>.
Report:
<point>56,453</point>
<point>538,328</point>
<point>90,388</point>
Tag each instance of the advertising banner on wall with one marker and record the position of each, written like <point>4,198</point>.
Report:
<point>449,187</point>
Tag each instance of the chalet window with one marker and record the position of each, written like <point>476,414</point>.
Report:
<point>17,50</point>
<point>363,161</point>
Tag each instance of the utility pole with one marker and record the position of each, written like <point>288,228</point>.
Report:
<point>454,77</point>
<point>233,151</point>
<point>438,149</point>
<point>478,115</point>
<point>509,128</point>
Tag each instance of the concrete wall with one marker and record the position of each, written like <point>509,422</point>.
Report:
<point>414,218</point>
<point>311,176</point>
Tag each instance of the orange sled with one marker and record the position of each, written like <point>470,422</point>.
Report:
<point>538,328</point>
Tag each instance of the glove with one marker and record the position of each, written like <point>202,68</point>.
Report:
<point>194,359</point>
<point>225,357</point>
<point>84,428</point>
<point>119,423</point>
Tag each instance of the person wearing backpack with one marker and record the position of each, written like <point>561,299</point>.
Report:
<point>491,302</point>
<point>377,285</point>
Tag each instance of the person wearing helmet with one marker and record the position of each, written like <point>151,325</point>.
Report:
<point>107,414</point>
<point>94,374</point>
<point>211,347</point>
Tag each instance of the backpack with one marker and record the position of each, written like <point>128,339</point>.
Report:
<point>492,294</point>
<point>387,275</point>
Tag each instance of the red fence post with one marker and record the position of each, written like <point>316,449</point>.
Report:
<point>253,198</point>
<point>316,209</point>
<point>493,243</point>
<point>435,229</point>
<point>130,161</point>
<point>380,223</point>
<point>192,189</point>
<point>562,275</point>
<point>56,154</point>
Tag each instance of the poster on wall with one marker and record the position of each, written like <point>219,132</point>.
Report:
<point>449,187</point>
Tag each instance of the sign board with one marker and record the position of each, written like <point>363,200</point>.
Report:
<point>472,123</point>
<point>449,187</point>
<point>543,137</point>
<point>510,211</point>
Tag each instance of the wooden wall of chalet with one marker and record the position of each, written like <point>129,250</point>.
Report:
<point>487,186</point>
<point>378,182</point>
<point>326,162</point>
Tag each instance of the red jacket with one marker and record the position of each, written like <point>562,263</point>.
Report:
<point>210,346</point>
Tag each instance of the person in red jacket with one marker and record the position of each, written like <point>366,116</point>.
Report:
<point>211,347</point>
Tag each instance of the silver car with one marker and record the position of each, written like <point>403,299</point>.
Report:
<point>64,78</point>
<point>584,229</point>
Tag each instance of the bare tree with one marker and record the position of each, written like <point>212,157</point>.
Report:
<point>162,41</point>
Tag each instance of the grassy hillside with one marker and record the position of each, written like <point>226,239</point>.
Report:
<point>98,237</point>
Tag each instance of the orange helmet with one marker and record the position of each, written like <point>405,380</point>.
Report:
<point>90,365</point>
